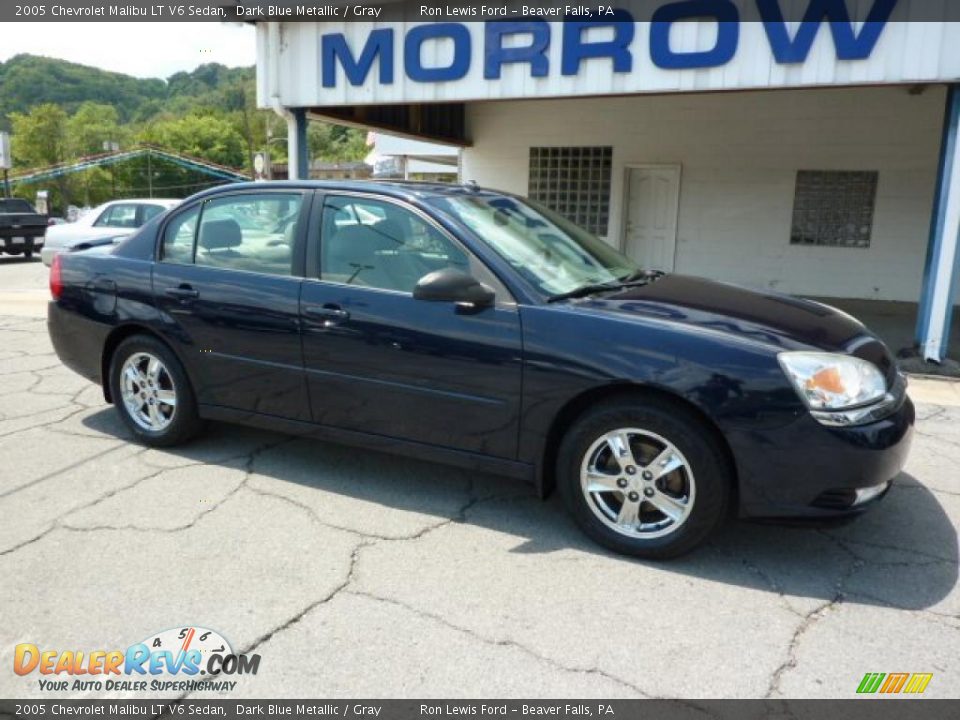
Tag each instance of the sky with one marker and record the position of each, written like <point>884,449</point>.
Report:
<point>141,49</point>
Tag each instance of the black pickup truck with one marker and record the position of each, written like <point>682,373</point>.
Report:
<point>22,228</point>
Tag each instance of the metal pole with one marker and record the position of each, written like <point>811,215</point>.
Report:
<point>6,182</point>
<point>942,270</point>
<point>149,175</point>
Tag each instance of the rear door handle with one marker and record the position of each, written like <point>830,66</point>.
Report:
<point>184,292</point>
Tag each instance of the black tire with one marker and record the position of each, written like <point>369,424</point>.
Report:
<point>183,422</point>
<point>673,422</point>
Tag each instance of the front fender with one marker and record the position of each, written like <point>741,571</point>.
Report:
<point>737,384</point>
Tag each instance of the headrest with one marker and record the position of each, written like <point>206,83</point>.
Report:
<point>220,234</point>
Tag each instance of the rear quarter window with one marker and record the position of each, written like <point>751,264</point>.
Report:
<point>178,237</point>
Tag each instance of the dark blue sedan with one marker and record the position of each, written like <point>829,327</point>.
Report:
<point>480,329</point>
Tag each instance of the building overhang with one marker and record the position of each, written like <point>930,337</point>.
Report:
<point>442,123</point>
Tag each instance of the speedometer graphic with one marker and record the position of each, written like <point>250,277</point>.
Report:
<point>181,640</point>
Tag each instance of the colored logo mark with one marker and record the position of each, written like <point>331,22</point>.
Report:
<point>893,683</point>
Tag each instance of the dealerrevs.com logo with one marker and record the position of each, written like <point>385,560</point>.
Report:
<point>173,660</point>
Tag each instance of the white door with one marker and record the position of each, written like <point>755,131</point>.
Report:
<point>650,233</point>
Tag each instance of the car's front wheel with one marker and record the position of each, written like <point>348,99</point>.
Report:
<point>644,477</point>
<point>152,393</point>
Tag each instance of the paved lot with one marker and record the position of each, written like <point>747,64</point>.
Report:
<point>358,574</point>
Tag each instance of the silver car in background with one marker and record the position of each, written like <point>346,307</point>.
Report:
<point>113,219</point>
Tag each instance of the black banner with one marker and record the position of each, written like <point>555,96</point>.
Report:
<point>444,10</point>
<point>876,708</point>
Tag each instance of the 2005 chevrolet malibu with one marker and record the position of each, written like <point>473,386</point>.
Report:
<point>480,329</point>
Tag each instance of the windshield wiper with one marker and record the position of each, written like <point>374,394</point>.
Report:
<point>593,289</point>
<point>646,275</point>
<point>634,278</point>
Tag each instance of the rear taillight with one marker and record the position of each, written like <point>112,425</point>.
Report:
<point>56,278</point>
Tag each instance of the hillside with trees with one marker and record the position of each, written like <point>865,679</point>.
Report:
<point>57,111</point>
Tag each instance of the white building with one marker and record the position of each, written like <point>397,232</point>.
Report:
<point>393,156</point>
<point>773,143</point>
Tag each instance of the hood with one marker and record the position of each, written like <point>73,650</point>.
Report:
<point>782,321</point>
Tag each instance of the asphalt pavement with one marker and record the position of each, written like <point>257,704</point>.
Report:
<point>357,574</point>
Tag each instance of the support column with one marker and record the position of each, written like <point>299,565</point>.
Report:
<point>298,162</point>
<point>303,150</point>
<point>943,259</point>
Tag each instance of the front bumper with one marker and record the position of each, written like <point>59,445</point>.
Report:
<point>805,469</point>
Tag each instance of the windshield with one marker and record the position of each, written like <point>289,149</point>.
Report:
<point>547,249</point>
<point>15,205</point>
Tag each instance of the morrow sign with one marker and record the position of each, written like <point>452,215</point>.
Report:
<point>684,45</point>
<point>380,45</point>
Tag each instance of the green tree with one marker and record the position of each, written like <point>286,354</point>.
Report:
<point>208,137</point>
<point>39,138</point>
<point>90,127</point>
<point>336,143</point>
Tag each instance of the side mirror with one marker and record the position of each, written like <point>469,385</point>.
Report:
<point>451,285</point>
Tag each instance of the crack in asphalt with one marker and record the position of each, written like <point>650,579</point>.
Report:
<point>27,543</point>
<point>556,664</point>
<point>807,622</point>
<point>60,521</point>
<point>61,471</point>
<point>845,544</point>
<point>292,620</point>
<point>248,457</point>
<point>79,409</point>
<point>314,517</point>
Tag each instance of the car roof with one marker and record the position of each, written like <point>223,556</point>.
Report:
<point>141,201</point>
<point>405,189</point>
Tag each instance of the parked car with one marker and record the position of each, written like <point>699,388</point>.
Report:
<point>118,217</point>
<point>483,330</point>
<point>22,228</point>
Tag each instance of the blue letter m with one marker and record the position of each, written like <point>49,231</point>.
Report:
<point>850,46</point>
<point>334,47</point>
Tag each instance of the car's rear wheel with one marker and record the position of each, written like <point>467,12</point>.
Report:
<point>644,477</point>
<point>152,393</point>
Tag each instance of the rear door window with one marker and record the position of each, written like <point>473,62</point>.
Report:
<point>118,216</point>
<point>253,232</point>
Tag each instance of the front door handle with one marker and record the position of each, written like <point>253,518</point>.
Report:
<point>330,314</point>
<point>184,292</point>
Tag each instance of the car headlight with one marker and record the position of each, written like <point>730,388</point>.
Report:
<point>829,383</point>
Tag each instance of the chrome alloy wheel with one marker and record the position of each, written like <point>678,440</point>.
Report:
<point>638,483</point>
<point>148,392</point>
